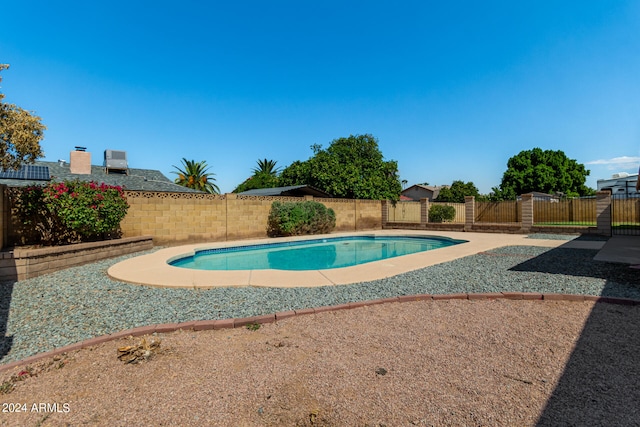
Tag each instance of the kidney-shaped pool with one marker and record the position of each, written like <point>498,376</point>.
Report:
<point>313,254</point>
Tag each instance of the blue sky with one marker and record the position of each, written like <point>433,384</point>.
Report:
<point>451,90</point>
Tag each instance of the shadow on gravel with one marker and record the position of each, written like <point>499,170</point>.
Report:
<point>599,385</point>
<point>621,281</point>
<point>6,290</point>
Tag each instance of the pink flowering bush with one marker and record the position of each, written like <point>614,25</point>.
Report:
<point>71,211</point>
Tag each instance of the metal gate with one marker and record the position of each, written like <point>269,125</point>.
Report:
<point>625,216</point>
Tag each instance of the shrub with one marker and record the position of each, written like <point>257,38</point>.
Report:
<point>296,218</point>
<point>71,211</point>
<point>441,213</point>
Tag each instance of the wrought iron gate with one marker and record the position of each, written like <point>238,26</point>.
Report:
<point>625,216</point>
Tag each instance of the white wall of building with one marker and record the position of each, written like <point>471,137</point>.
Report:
<point>620,184</point>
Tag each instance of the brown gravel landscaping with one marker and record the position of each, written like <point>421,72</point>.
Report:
<point>451,362</point>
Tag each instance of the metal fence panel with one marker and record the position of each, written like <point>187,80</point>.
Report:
<point>565,212</point>
<point>625,216</point>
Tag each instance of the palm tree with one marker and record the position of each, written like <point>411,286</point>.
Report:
<point>267,167</point>
<point>194,175</point>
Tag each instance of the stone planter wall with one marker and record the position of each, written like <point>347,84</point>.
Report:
<point>25,263</point>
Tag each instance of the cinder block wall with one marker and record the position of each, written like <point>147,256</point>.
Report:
<point>174,218</point>
<point>355,214</point>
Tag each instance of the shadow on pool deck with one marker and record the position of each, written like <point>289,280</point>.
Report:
<point>599,383</point>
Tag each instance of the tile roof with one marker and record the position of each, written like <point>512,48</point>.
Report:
<point>136,180</point>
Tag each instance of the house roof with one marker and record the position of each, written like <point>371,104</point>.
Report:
<point>135,180</point>
<point>292,190</point>
<point>434,189</point>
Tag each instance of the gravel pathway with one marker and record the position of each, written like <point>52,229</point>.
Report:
<point>79,303</point>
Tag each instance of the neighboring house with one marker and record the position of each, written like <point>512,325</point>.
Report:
<point>80,168</point>
<point>622,185</point>
<point>292,190</point>
<point>419,191</point>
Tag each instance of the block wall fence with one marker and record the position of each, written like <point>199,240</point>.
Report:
<point>175,218</point>
<point>521,220</point>
<point>157,218</point>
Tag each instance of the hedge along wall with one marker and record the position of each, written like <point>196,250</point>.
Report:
<point>173,218</point>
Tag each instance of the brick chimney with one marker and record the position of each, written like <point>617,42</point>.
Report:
<point>80,161</point>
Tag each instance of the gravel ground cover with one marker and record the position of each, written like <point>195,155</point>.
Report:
<point>80,303</point>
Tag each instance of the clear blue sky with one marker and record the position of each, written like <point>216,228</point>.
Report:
<point>452,90</point>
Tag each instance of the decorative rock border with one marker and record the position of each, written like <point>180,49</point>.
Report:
<point>202,325</point>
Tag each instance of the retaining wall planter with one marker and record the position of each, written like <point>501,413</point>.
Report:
<point>25,263</point>
<point>435,226</point>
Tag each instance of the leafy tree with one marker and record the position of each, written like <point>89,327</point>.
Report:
<point>258,180</point>
<point>194,175</point>
<point>266,167</point>
<point>350,167</point>
<point>20,134</point>
<point>265,175</point>
<point>457,191</point>
<point>546,171</point>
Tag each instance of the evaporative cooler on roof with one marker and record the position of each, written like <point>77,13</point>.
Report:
<point>115,160</point>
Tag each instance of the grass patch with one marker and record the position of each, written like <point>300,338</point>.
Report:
<point>253,326</point>
<point>567,223</point>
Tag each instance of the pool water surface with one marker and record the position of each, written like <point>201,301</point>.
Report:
<point>315,254</point>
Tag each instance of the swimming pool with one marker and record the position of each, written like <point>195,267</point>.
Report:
<point>312,254</point>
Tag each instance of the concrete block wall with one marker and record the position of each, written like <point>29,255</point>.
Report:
<point>248,215</point>
<point>354,215</point>
<point>368,214</point>
<point>174,218</point>
<point>603,212</point>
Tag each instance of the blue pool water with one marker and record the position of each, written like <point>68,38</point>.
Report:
<point>316,254</point>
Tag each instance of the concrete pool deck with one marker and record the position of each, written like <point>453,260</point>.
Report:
<point>153,269</point>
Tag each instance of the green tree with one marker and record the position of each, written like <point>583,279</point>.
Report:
<point>546,171</point>
<point>195,175</point>
<point>20,134</point>
<point>267,167</point>
<point>457,191</point>
<point>265,175</point>
<point>258,180</point>
<point>350,167</point>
